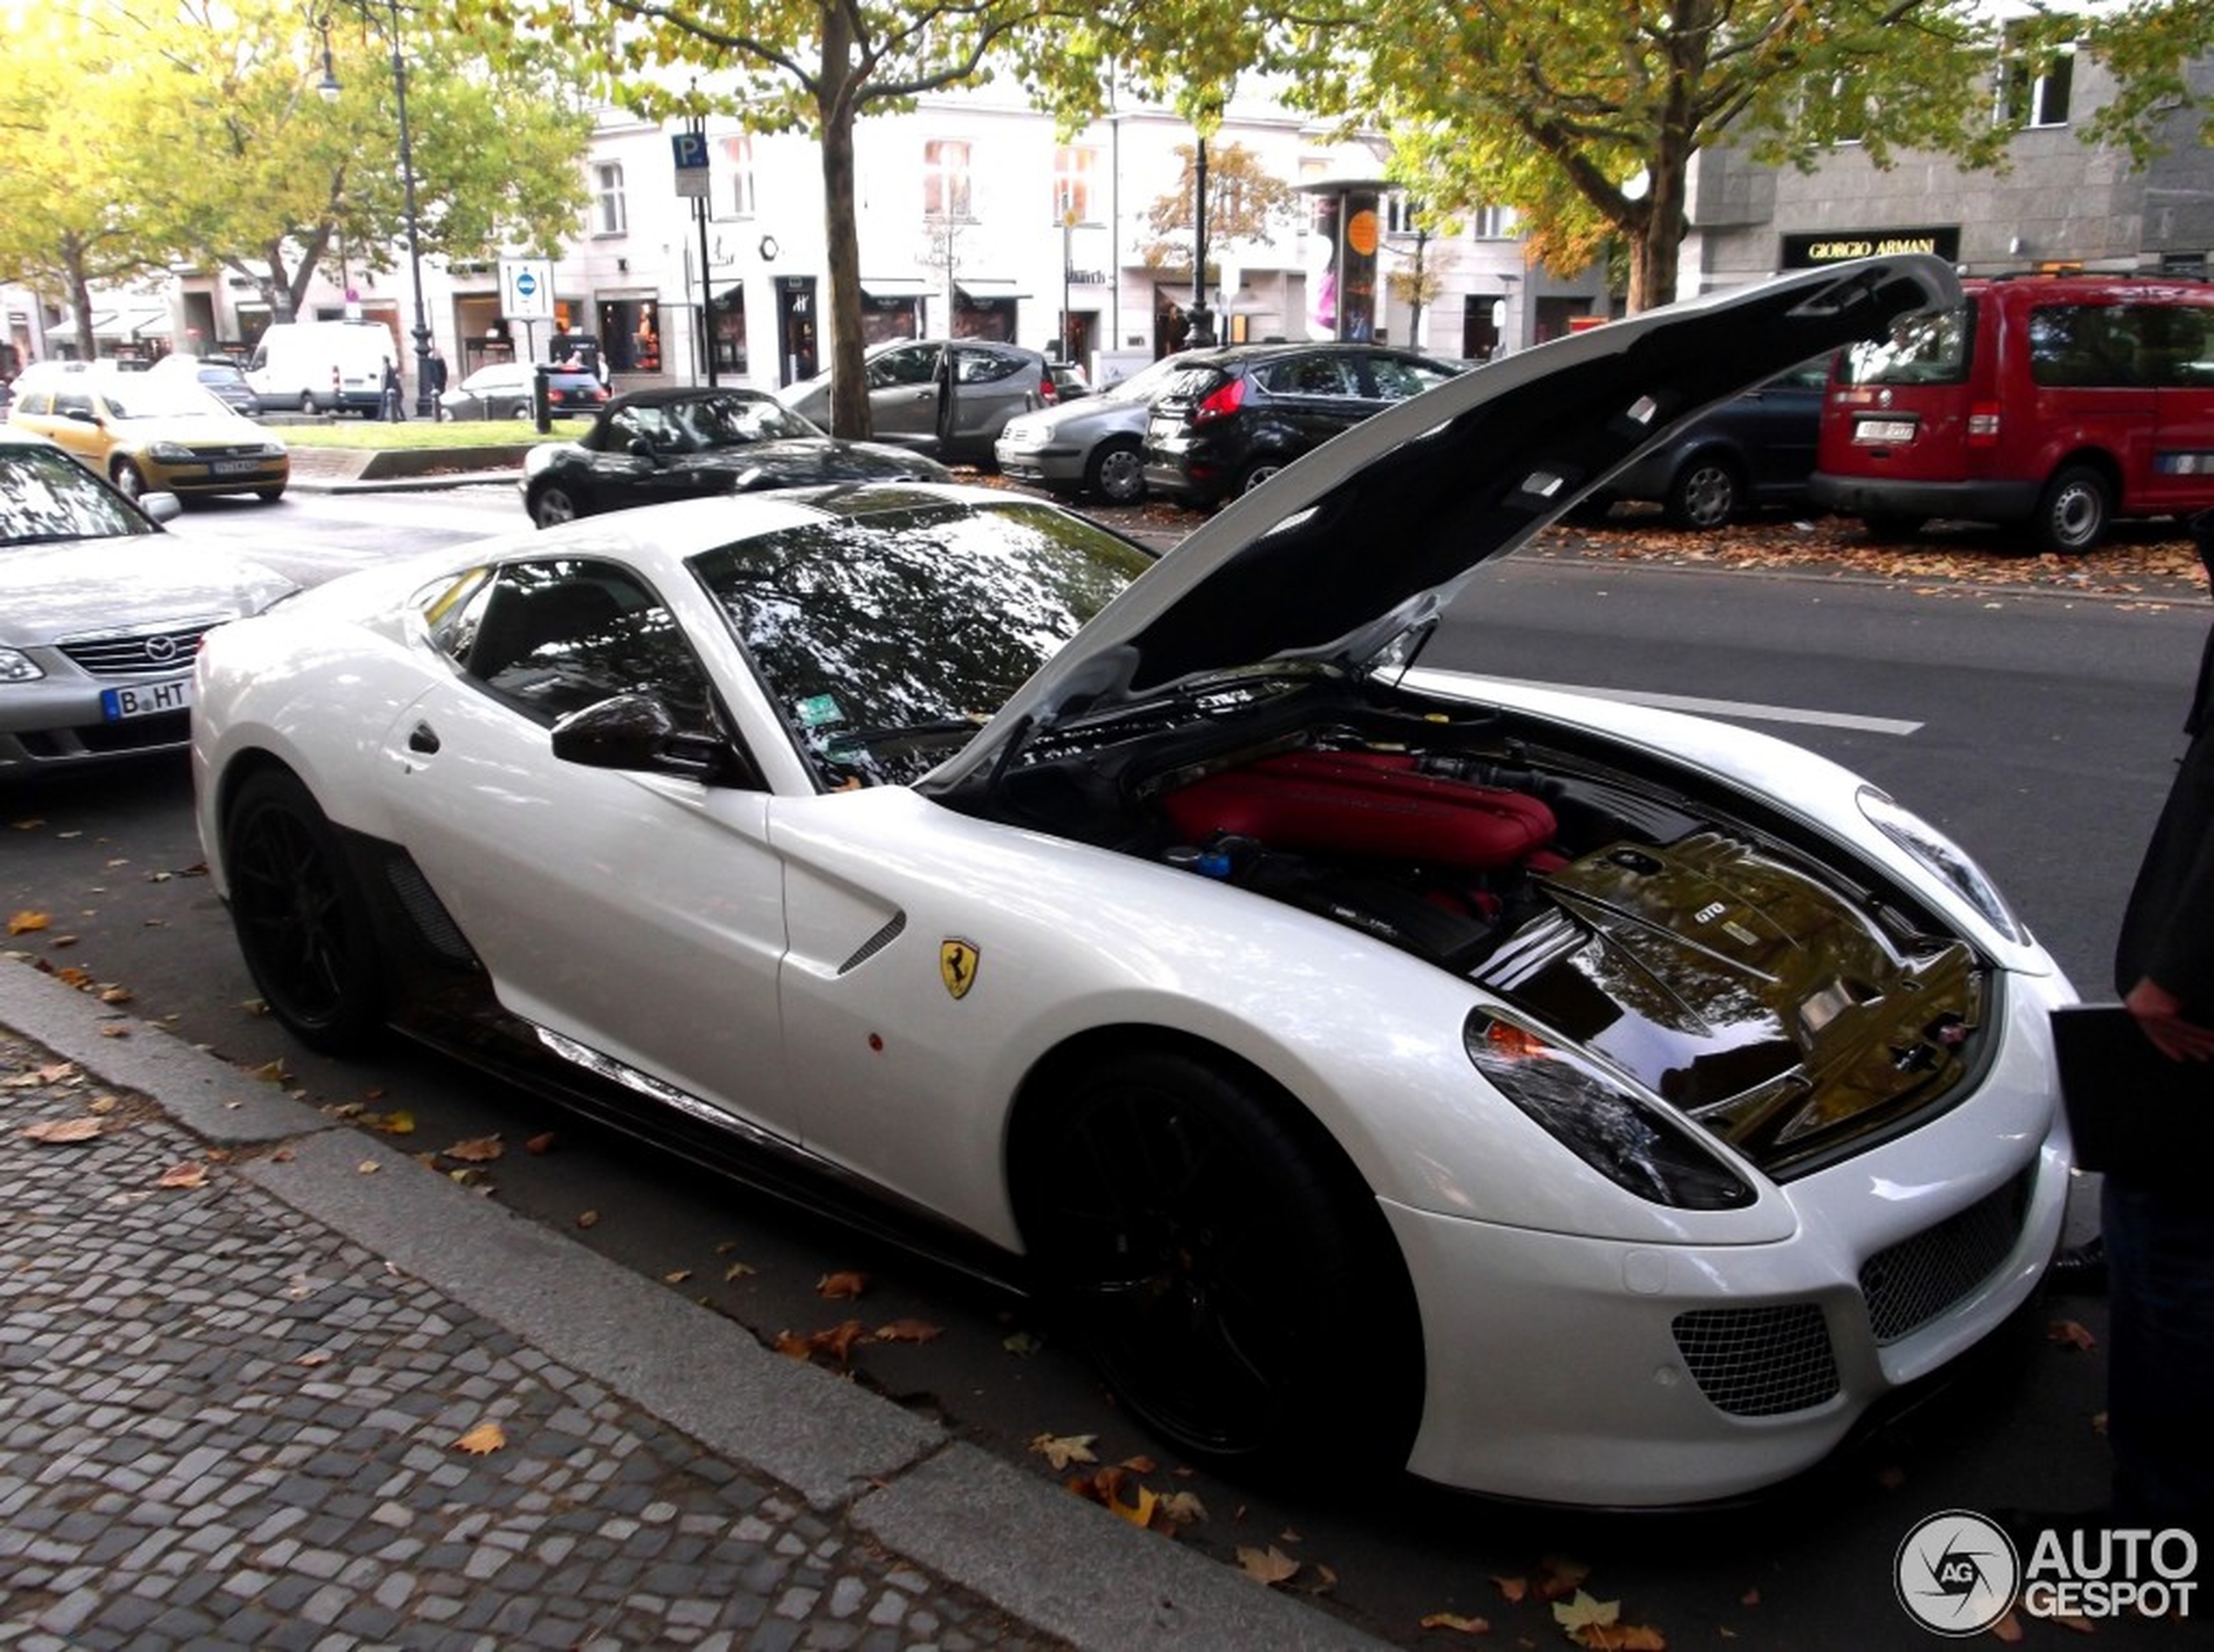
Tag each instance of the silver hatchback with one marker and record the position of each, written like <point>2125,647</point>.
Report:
<point>1096,445</point>
<point>950,398</point>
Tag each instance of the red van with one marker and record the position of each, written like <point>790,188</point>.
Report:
<point>2060,402</point>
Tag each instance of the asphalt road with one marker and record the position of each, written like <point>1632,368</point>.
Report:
<point>2036,728</point>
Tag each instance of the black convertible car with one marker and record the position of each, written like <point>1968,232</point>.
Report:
<point>656,446</point>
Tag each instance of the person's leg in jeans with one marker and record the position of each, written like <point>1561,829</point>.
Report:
<point>2160,1384</point>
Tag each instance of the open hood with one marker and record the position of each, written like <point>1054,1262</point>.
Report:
<point>1377,530</point>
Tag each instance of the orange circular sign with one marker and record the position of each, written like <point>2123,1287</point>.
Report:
<point>1361,233</point>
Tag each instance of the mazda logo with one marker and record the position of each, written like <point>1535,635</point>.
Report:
<point>161,649</point>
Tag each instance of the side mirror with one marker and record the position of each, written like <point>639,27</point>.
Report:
<point>637,731</point>
<point>162,506</point>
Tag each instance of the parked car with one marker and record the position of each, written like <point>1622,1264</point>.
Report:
<point>1232,418</point>
<point>947,397</point>
<point>501,389</point>
<point>101,611</point>
<point>1754,449</point>
<point>1068,380</point>
<point>322,366</point>
<point>1096,445</point>
<point>221,379</point>
<point>2058,403</point>
<point>147,434</point>
<point>1346,1051</point>
<point>652,447</point>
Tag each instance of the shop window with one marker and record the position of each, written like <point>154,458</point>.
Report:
<point>631,335</point>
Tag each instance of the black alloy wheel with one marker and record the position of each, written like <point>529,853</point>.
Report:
<point>553,505</point>
<point>1224,1270</point>
<point>302,923</point>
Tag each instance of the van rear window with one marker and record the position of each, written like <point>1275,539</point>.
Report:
<point>1922,349</point>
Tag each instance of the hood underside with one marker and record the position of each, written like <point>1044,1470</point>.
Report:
<point>1376,531</point>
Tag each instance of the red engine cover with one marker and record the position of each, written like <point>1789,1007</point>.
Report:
<point>1369,804</point>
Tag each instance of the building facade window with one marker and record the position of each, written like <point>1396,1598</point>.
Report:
<point>611,215</point>
<point>1072,174</point>
<point>1495,223</point>
<point>2034,89</point>
<point>945,178</point>
<point>738,151</point>
<point>1399,214</point>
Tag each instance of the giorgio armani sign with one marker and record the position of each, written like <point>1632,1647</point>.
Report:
<point>1836,246</point>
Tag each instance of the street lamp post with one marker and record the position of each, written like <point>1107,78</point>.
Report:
<point>1202,334</point>
<point>425,406</point>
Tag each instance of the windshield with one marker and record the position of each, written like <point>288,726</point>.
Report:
<point>885,640</point>
<point>46,496</point>
<point>1147,383</point>
<point>1929,349</point>
<point>142,396</point>
<point>732,421</point>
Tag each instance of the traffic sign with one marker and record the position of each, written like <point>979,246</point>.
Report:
<point>690,150</point>
<point>527,288</point>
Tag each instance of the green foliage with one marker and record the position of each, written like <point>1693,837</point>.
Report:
<point>198,135</point>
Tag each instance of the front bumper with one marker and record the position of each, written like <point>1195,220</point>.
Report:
<point>215,475</point>
<point>61,722</point>
<point>1567,1369</point>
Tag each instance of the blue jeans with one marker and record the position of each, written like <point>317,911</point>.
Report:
<point>2160,1355</point>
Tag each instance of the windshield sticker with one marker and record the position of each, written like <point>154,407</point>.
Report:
<point>819,711</point>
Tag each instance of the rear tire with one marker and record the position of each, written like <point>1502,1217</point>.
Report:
<point>301,921</point>
<point>308,405</point>
<point>1257,472</point>
<point>2073,512</point>
<point>1225,1266</point>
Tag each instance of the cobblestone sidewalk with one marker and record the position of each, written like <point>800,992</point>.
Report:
<point>224,1423</point>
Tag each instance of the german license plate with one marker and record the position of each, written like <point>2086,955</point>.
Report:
<point>1883,431</point>
<point>235,466</point>
<point>146,699</point>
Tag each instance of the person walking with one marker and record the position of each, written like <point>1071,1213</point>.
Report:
<point>392,410</point>
<point>2158,1234</point>
<point>436,382</point>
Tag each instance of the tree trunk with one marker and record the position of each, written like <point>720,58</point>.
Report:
<point>80,302</point>
<point>841,240</point>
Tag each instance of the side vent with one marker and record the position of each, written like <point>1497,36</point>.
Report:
<point>875,943</point>
<point>426,911</point>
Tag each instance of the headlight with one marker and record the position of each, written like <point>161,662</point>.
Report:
<point>1629,1141</point>
<point>1943,857</point>
<point>171,452</point>
<point>272,450</point>
<point>15,666</point>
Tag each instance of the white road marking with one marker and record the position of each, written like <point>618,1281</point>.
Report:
<point>1747,709</point>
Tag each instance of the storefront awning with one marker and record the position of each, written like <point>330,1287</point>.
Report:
<point>983,289</point>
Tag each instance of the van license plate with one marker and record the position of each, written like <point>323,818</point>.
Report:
<point>146,699</point>
<point>1883,431</point>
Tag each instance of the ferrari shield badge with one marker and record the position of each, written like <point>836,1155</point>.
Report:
<point>957,965</point>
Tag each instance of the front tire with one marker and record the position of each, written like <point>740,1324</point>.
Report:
<point>1116,471</point>
<point>129,480</point>
<point>1225,1266</point>
<point>2073,512</point>
<point>1705,495</point>
<point>301,921</point>
<point>553,505</point>
<point>308,405</point>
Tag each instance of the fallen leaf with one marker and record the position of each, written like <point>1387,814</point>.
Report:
<point>2066,1333</point>
<point>1021,1344</point>
<point>1060,1449</point>
<point>114,1029</point>
<point>840,1286</point>
<point>482,1440</point>
<point>117,995</point>
<point>541,1143</point>
<point>184,1175</point>
<point>839,1342</point>
<point>1184,1508</point>
<point>1751,1597</point>
<point>1139,1513</point>
<point>477,1150</point>
<point>588,1219</point>
<point>1559,1576</point>
<point>369,1167</point>
<point>1513,1587</point>
<point>57,1131</point>
<point>677,1277</point>
<point>319,1357</point>
<point>100,1105</point>
<point>1452,1621</point>
<point>271,1072</point>
<point>399,1121</point>
<point>1582,1612</point>
<point>25,923</point>
<point>1271,1565</point>
<point>909,1331</point>
<point>738,1270</point>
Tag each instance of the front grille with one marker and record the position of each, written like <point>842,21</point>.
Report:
<point>1911,1283</point>
<point>1759,1362</point>
<point>163,653</point>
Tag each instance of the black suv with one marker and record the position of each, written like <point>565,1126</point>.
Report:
<point>1231,418</point>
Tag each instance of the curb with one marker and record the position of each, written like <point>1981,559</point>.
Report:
<point>1064,1565</point>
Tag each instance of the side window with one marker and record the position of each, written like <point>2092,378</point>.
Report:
<point>69,402</point>
<point>2175,346</point>
<point>907,366</point>
<point>2082,346</point>
<point>1311,375</point>
<point>982,366</point>
<point>636,424</point>
<point>551,637</point>
<point>1397,379</point>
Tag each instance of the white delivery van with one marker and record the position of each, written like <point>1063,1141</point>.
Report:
<point>322,366</point>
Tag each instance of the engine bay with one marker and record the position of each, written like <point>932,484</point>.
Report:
<point>1765,991</point>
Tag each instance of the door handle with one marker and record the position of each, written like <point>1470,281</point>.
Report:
<point>424,738</point>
